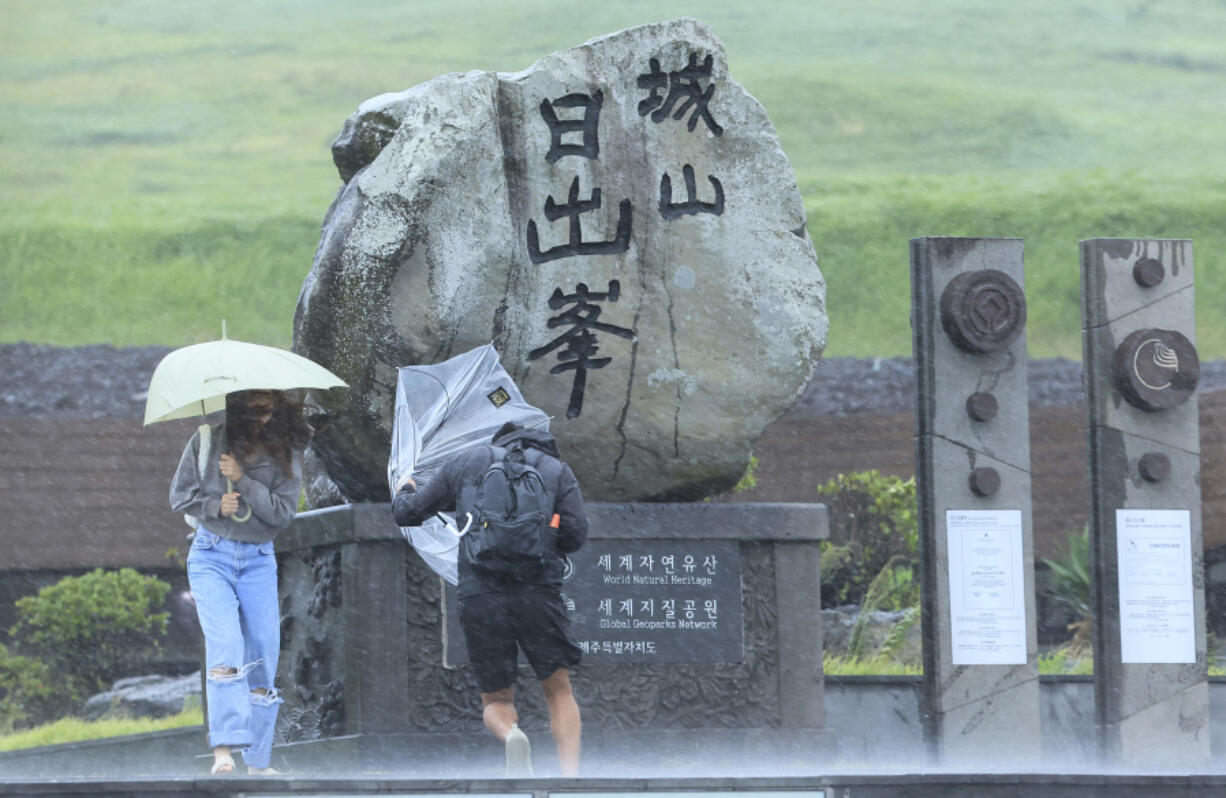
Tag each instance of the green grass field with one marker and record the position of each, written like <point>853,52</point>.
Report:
<point>156,159</point>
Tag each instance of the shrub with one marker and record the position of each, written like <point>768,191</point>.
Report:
<point>1067,662</point>
<point>89,630</point>
<point>873,523</point>
<point>894,588</point>
<point>1072,586</point>
<point>26,694</point>
<point>894,643</point>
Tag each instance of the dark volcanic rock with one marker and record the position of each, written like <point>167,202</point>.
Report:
<point>98,381</point>
<point>145,697</point>
<point>102,381</point>
<point>845,385</point>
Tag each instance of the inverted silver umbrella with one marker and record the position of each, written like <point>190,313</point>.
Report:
<point>441,410</point>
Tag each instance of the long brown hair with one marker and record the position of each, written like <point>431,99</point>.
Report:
<point>285,434</point>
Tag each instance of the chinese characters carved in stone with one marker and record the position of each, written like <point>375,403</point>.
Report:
<point>578,344</point>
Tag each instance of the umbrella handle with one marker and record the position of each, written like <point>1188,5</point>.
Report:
<point>244,519</point>
<point>459,533</point>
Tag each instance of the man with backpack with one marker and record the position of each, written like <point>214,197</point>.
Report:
<point>523,512</point>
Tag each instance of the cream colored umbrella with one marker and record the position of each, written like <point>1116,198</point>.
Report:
<point>194,380</point>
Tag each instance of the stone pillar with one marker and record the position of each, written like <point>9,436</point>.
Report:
<point>980,697</point>
<point>799,599</point>
<point>345,606</point>
<point>1141,371</point>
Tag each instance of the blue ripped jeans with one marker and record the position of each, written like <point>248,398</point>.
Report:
<point>235,588</point>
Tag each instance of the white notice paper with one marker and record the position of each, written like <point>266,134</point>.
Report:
<point>1157,623</point>
<point>987,591</point>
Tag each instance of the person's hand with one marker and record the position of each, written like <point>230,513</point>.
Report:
<point>230,468</point>
<point>408,480</point>
<point>229,504</point>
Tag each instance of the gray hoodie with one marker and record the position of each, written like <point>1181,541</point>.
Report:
<point>271,495</point>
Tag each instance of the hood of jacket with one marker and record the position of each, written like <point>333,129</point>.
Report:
<point>531,439</point>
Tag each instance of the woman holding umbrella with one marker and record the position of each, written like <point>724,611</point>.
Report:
<point>238,483</point>
<point>242,490</point>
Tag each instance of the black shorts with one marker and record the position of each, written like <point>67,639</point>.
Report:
<point>532,617</point>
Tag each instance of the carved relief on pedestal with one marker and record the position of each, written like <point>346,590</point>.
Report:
<point>312,645</point>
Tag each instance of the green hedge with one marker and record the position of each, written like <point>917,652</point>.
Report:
<point>75,638</point>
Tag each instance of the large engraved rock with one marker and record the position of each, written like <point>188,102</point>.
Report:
<point>618,219</point>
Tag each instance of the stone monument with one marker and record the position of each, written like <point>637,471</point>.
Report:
<point>1141,371</point>
<point>618,219</point>
<point>980,699</point>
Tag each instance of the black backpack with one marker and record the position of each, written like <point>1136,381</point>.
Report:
<point>511,535</point>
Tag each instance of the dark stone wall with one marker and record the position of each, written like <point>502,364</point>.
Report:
<point>363,653</point>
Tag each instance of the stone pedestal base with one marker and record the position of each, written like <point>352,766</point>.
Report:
<point>363,664</point>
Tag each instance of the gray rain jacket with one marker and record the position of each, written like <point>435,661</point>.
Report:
<point>271,495</point>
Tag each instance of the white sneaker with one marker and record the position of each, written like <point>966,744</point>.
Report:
<point>519,754</point>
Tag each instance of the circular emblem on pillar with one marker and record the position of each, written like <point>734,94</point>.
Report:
<point>1154,466</point>
<point>983,311</point>
<point>984,481</point>
<point>1148,272</point>
<point>1156,369</point>
<point>982,406</point>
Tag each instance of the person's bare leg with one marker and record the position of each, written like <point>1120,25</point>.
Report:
<point>220,754</point>
<point>498,712</point>
<point>502,720</point>
<point>564,720</point>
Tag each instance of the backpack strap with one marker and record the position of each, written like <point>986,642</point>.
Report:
<point>205,433</point>
<point>497,455</point>
<point>202,458</point>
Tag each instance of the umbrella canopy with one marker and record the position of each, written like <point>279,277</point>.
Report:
<point>441,410</point>
<point>194,380</point>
